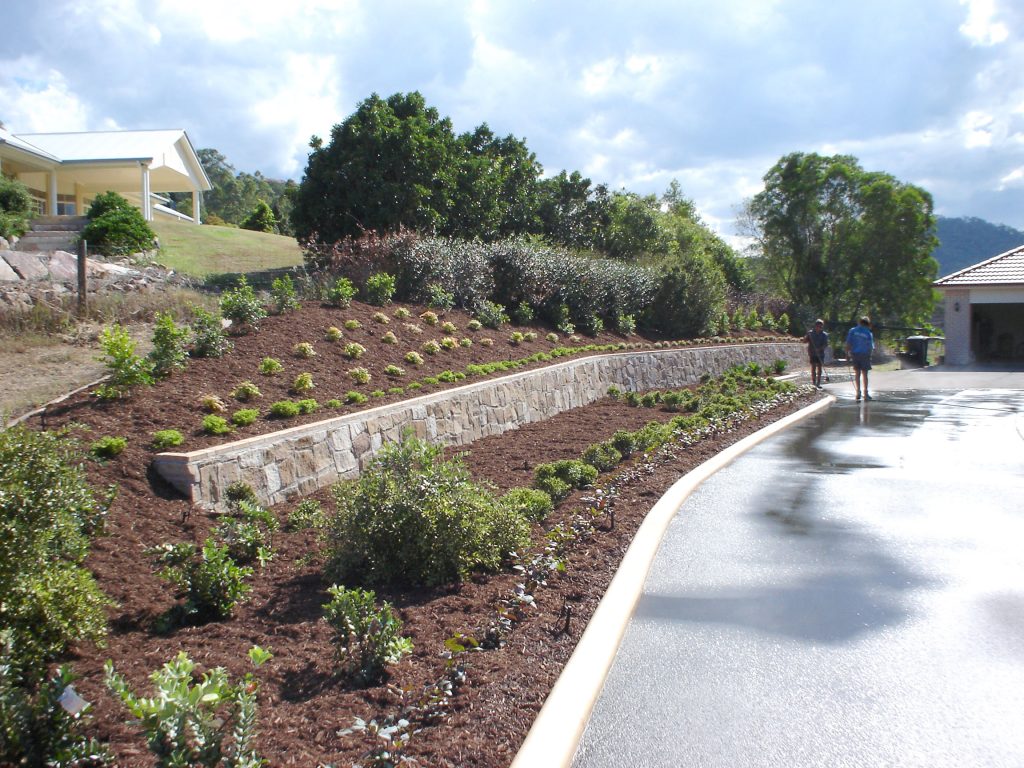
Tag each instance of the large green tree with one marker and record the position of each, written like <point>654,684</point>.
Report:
<point>840,241</point>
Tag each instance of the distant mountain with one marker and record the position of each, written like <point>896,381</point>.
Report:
<point>966,241</point>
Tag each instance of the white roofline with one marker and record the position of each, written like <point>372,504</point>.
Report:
<point>986,262</point>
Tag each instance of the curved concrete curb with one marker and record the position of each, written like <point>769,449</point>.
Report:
<point>556,732</point>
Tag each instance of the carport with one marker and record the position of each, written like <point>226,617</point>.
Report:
<point>985,310</point>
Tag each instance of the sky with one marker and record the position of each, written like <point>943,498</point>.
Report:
<point>631,94</point>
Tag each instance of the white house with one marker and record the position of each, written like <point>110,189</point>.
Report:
<point>985,310</point>
<point>65,171</point>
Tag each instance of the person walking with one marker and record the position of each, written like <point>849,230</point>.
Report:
<point>817,343</point>
<point>860,343</point>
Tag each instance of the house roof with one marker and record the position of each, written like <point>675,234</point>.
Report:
<point>1004,269</point>
<point>97,146</point>
<point>15,142</point>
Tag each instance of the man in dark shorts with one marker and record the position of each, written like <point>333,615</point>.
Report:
<point>859,344</point>
<point>817,343</point>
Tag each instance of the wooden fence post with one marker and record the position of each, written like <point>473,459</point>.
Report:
<point>83,301</point>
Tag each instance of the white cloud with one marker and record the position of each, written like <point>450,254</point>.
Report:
<point>37,99</point>
<point>229,22</point>
<point>981,27</point>
<point>978,129</point>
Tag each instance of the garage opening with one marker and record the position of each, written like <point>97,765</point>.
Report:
<point>997,332</point>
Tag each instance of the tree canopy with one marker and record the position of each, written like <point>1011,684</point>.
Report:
<point>840,241</point>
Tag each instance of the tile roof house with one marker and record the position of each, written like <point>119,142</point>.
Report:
<point>985,310</point>
<point>65,171</point>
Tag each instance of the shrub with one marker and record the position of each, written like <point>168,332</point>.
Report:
<point>366,638</point>
<point>170,346</point>
<point>352,325</point>
<point>389,338</point>
<point>624,442</point>
<point>270,366</point>
<point>380,317</point>
<point>333,334</point>
<point>359,375</point>
<point>602,456</point>
<point>212,404</point>
<point>241,306</point>
<point>108,447</point>
<point>125,368</point>
<point>15,208</point>
<point>402,313</point>
<point>625,324</point>
<point>246,391</point>
<point>377,393</point>
<point>204,722</point>
<point>354,350</point>
<point>355,398</point>
<point>413,358</point>
<point>552,337</point>
<point>515,339</point>
<point>782,324</point>
<point>208,337</point>
<point>413,328</point>
<point>779,366</point>
<point>244,417</point>
<point>210,582</point>
<point>431,347</point>
<point>304,350</point>
<point>430,318</point>
<point>465,342</point>
<point>216,425</point>
<point>491,315</point>
<point>474,325</point>
<point>753,321</point>
<point>380,289</point>
<point>558,478</point>
<point>307,405</point>
<point>414,517</point>
<point>341,292</point>
<point>333,403</point>
<point>690,297</point>
<point>260,218</point>
<point>303,383</point>
<point>533,504</point>
<point>167,438</point>
<point>308,514</point>
<point>35,729</point>
<point>47,514</point>
<point>116,227</point>
<point>439,298</point>
<point>283,296</point>
<point>238,492</point>
<point>449,343</point>
<point>394,370</point>
<point>486,342</point>
<point>284,409</point>
<point>449,327</point>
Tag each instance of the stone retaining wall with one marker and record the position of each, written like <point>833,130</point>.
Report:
<point>297,461</point>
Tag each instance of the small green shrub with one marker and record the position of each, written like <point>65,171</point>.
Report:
<point>341,292</point>
<point>566,474</point>
<point>244,417</point>
<point>355,398</point>
<point>552,337</point>
<point>307,405</point>
<point>216,425</point>
<point>191,721</point>
<point>516,338</point>
<point>533,504</point>
<point>465,342</point>
<point>366,638</point>
<point>359,375</point>
<point>108,447</point>
<point>602,456</point>
<point>625,324</point>
<point>116,227</point>
<point>208,337</point>
<point>486,342</point>
<point>394,370</point>
<point>246,391</point>
<point>170,346</point>
<point>167,438</point>
<point>380,289</point>
<point>240,492</point>
<point>624,442</point>
<point>284,409</point>
<point>449,343</point>
<point>439,298</point>
<point>354,350</point>
<point>212,404</point>
<point>779,366</point>
<point>491,315</point>
<point>241,306</point>
<point>304,350</point>
<point>401,313</point>
<point>270,366</point>
<point>523,313</point>
<point>333,334</point>
<point>430,318</point>
<point>474,325</point>
<point>413,358</point>
<point>210,582</point>
<point>16,207</point>
<point>378,393</point>
<point>449,327</point>
<point>380,317</point>
<point>125,369</point>
<point>303,383</point>
<point>431,347</point>
<point>389,338</point>
<point>333,403</point>
<point>283,295</point>
<point>782,324</point>
<point>308,514</point>
<point>352,325</point>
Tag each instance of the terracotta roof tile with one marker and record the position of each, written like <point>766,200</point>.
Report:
<point>1006,268</point>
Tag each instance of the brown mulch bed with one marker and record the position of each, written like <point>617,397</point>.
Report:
<point>302,702</point>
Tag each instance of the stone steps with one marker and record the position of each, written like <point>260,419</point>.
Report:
<point>53,233</point>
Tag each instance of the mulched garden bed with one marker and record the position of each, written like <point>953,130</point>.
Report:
<point>302,704</point>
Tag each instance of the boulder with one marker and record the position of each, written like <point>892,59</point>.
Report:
<point>6,273</point>
<point>63,267</point>
<point>27,265</point>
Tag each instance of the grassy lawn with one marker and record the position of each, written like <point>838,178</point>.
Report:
<point>207,250</point>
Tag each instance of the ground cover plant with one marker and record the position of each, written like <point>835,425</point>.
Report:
<point>484,651</point>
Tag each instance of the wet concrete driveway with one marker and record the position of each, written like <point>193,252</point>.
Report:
<point>849,593</point>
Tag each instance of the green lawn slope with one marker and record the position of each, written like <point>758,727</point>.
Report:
<point>208,250</point>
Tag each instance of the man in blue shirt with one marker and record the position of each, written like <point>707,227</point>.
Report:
<point>859,345</point>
